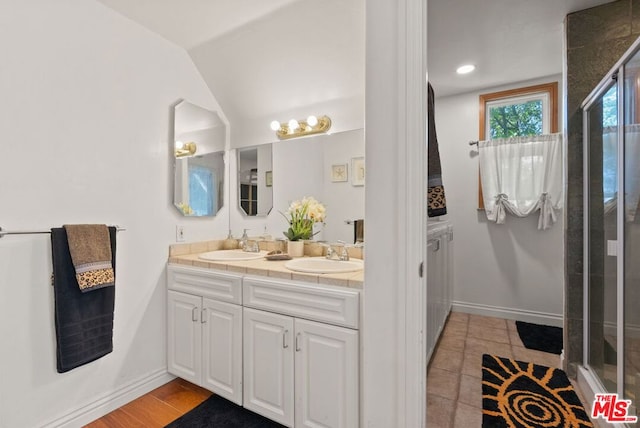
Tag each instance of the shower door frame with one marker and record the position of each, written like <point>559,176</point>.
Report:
<point>592,382</point>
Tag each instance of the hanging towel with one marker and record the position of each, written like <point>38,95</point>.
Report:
<point>84,321</point>
<point>91,254</point>
<point>437,204</point>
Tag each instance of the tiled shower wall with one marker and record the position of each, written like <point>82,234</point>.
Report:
<point>595,38</point>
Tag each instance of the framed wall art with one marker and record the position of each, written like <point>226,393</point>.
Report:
<point>357,171</point>
<point>339,173</point>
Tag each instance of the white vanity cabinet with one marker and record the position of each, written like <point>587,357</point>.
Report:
<point>205,329</point>
<point>285,349</point>
<point>439,280</point>
<point>300,372</point>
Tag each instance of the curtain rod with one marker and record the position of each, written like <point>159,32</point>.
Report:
<point>475,142</point>
<point>31,232</point>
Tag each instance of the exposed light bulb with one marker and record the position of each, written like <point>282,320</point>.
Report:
<point>275,125</point>
<point>293,125</point>
<point>312,121</point>
<point>179,145</point>
<point>465,69</point>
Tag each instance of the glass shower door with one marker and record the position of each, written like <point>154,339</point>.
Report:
<point>602,237</point>
<point>612,231</point>
<point>630,220</point>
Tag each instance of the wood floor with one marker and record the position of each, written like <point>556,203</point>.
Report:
<point>155,409</point>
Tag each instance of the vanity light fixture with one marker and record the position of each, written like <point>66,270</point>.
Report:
<point>185,149</point>
<point>300,128</point>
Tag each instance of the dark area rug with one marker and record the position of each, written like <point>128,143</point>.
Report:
<point>543,338</point>
<point>516,394</point>
<point>216,412</point>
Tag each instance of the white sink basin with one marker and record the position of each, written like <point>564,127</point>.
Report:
<point>231,255</point>
<point>322,265</point>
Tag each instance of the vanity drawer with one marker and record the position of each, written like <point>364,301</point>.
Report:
<point>338,307</point>
<point>219,286</point>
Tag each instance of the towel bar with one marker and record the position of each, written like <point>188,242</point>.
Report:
<point>31,232</point>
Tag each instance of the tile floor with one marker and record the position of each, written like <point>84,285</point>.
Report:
<point>454,385</point>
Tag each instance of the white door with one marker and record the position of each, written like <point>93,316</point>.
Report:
<point>222,349</point>
<point>184,336</point>
<point>268,365</point>
<point>326,373</point>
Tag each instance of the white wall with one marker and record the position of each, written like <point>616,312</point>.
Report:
<point>302,167</point>
<point>86,122</point>
<point>510,270</point>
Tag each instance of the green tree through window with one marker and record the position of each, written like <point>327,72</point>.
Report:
<point>516,120</point>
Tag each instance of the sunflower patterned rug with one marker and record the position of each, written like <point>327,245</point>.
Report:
<point>525,395</point>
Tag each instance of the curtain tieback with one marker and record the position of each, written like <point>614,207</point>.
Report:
<point>501,209</point>
<point>546,212</point>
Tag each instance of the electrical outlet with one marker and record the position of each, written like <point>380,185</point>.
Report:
<point>179,233</point>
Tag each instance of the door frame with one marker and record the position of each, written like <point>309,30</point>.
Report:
<point>394,314</point>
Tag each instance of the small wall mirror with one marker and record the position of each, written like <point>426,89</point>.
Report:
<point>199,147</point>
<point>255,180</point>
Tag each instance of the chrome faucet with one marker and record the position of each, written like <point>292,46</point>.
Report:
<point>333,254</point>
<point>252,246</point>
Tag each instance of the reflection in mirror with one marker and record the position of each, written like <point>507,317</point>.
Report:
<point>307,167</point>
<point>199,140</point>
<point>255,180</point>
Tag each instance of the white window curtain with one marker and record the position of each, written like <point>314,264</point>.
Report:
<point>521,175</point>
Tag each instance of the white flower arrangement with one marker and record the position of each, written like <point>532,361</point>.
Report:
<point>301,216</point>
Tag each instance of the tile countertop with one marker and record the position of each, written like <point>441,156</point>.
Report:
<point>273,269</point>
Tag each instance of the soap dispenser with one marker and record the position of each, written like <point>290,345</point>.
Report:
<point>244,239</point>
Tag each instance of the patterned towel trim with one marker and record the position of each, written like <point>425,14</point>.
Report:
<point>437,201</point>
<point>92,276</point>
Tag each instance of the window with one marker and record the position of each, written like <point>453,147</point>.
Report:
<point>202,190</point>
<point>532,110</point>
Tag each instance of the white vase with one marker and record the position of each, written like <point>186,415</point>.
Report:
<point>295,248</point>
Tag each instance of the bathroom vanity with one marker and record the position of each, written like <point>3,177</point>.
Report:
<point>439,280</point>
<point>281,344</point>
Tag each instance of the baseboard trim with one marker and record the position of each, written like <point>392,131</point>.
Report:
<point>543,318</point>
<point>111,400</point>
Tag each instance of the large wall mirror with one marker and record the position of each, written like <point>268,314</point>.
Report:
<point>255,180</point>
<point>323,166</point>
<point>199,147</point>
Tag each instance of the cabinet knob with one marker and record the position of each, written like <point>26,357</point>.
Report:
<point>285,342</point>
<point>194,314</point>
<point>298,342</point>
<point>203,316</point>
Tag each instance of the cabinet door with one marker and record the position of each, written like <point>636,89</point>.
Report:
<point>222,349</point>
<point>326,375</point>
<point>184,336</point>
<point>432,294</point>
<point>268,365</point>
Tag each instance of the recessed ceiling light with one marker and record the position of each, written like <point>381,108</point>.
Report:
<point>464,69</point>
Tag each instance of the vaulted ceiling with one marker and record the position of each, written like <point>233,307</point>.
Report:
<point>277,59</point>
